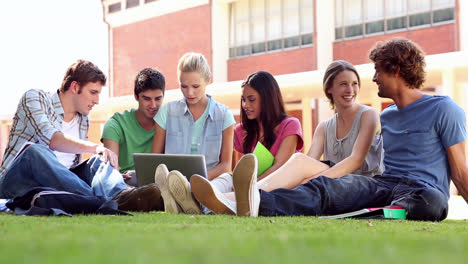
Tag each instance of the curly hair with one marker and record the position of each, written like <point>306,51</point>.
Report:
<point>149,79</point>
<point>401,55</point>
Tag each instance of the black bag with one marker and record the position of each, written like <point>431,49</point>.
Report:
<point>49,201</point>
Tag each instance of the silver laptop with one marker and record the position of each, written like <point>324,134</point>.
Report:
<point>187,164</point>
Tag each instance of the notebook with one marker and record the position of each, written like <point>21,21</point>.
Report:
<point>387,212</point>
<point>187,164</point>
<point>264,157</point>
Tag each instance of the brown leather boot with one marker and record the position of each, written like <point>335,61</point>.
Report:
<point>142,199</point>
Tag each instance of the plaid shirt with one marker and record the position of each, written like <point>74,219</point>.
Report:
<point>38,117</point>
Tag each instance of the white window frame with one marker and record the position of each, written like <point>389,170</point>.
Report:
<point>233,46</point>
<point>342,28</point>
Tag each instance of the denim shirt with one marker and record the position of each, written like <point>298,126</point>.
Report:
<point>179,129</point>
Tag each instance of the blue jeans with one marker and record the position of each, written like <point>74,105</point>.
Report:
<point>38,166</point>
<point>326,196</point>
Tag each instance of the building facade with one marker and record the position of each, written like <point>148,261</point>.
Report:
<point>293,39</point>
<point>279,36</point>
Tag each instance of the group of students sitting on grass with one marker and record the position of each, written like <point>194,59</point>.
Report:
<point>423,138</point>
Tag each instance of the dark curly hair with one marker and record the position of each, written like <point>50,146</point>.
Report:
<point>149,79</point>
<point>401,55</point>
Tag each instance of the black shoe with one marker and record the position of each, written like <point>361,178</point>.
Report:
<point>142,199</point>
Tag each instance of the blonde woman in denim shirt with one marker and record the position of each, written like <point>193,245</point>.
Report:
<point>196,124</point>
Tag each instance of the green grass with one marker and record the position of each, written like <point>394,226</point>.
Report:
<point>163,238</point>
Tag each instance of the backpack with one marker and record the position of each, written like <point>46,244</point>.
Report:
<point>49,201</point>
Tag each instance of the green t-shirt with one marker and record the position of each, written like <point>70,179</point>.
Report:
<point>124,129</point>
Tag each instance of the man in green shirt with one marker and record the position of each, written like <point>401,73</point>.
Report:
<point>132,131</point>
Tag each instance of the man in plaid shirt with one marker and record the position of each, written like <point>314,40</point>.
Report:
<point>58,125</point>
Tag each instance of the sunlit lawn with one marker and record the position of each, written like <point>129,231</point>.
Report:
<point>164,238</point>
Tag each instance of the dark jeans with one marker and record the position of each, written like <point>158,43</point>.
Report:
<point>326,196</point>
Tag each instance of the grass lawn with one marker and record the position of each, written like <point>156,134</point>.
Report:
<point>163,238</point>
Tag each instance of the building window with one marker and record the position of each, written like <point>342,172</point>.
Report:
<point>132,3</point>
<point>112,8</point>
<point>261,26</point>
<point>358,18</point>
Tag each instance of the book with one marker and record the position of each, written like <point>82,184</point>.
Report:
<point>387,212</point>
<point>264,157</point>
<point>21,150</point>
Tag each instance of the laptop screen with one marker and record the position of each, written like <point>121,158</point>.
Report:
<point>187,164</point>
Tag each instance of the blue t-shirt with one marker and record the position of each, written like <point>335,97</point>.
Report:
<point>416,136</point>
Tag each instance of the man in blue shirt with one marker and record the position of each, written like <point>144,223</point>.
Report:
<point>424,141</point>
<point>57,125</point>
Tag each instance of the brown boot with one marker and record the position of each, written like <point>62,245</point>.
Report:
<point>142,199</point>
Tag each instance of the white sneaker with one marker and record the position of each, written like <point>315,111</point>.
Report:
<point>210,197</point>
<point>160,178</point>
<point>180,190</point>
<point>245,186</point>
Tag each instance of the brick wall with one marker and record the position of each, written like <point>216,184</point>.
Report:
<point>159,42</point>
<point>433,40</point>
<point>283,62</point>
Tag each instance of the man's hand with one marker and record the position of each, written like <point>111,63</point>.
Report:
<point>126,176</point>
<point>458,168</point>
<point>108,155</point>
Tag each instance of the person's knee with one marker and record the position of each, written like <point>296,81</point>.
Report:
<point>35,149</point>
<point>298,156</point>
<point>428,205</point>
<point>36,152</point>
<point>302,158</point>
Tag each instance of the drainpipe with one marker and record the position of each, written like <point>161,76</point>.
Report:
<point>110,51</point>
